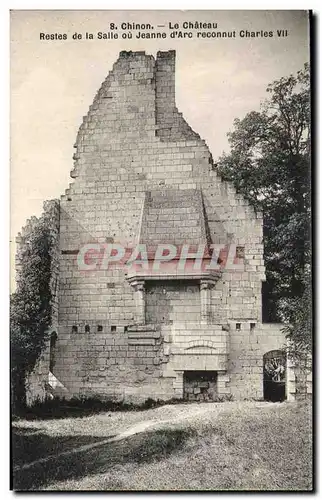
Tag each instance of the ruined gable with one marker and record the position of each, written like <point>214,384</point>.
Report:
<point>142,175</point>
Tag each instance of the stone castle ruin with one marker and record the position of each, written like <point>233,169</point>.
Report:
<point>142,176</point>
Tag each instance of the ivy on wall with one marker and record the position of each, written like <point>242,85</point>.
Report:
<point>31,305</point>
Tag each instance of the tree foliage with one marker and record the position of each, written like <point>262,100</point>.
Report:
<point>30,307</point>
<point>269,163</point>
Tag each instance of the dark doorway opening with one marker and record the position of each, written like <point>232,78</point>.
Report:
<point>53,339</point>
<point>274,375</point>
<point>200,385</point>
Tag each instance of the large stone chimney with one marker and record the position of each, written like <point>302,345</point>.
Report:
<point>171,126</point>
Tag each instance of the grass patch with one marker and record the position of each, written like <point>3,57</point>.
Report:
<point>216,447</point>
<point>157,445</point>
<point>146,447</point>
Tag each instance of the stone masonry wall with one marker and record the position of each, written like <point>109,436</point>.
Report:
<point>247,348</point>
<point>170,124</point>
<point>115,365</point>
<point>168,303</point>
<point>133,140</point>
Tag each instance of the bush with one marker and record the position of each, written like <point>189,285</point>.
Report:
<point>58,407</point>
<point>83,405</point>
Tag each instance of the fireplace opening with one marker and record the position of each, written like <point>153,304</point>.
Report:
<point>200,385</point>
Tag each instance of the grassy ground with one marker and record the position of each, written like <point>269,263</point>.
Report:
<point>211,446</point>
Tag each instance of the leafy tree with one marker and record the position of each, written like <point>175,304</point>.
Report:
<point>269,163</point>
<point>298,329</point>
<point>30,307</point>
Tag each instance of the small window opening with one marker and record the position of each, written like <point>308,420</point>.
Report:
<point>74,329</point>
<point>252,326</point>
<point>87,329</point>
<point>113,328</point>
<point>99,328</point>
<point>238,326</point>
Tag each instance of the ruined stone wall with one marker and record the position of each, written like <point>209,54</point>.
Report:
<point>131,141</point>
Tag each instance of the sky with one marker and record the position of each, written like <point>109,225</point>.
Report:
<point>54,82</point>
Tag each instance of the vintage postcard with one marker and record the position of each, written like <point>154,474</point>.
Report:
<point>161,302</point>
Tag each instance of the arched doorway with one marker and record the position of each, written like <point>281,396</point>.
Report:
<point>274,375</point>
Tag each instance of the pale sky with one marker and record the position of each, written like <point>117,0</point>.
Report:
<point>53,83</point>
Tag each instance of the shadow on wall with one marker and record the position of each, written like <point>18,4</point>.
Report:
<point>28,447</point>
